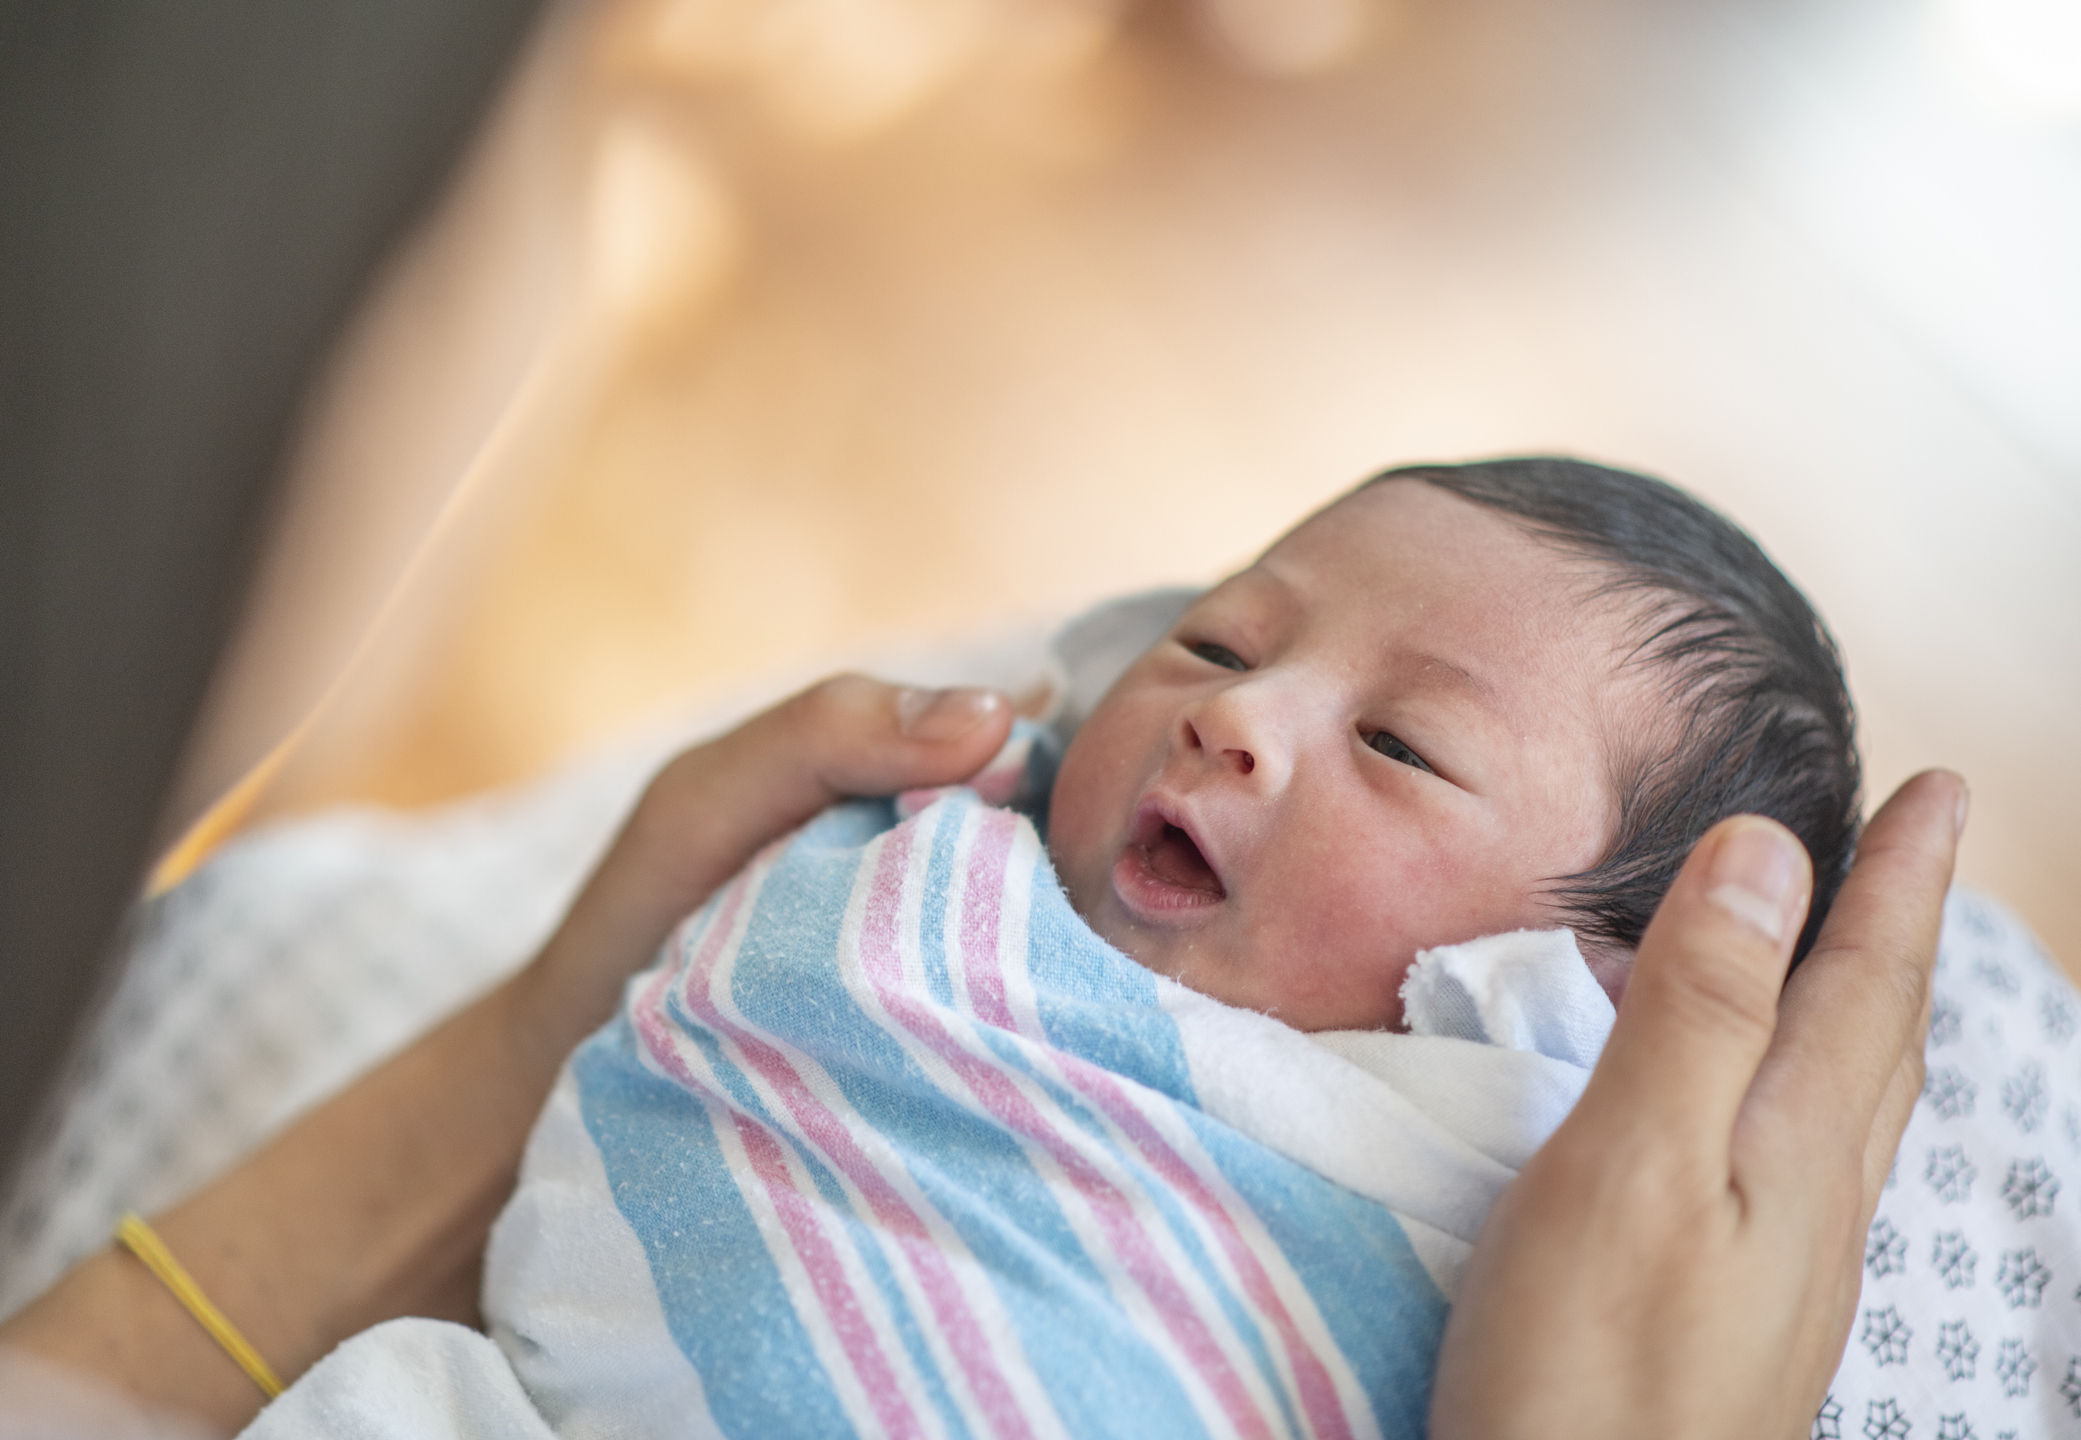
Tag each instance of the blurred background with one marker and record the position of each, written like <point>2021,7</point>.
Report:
<point>750,335</point>
<point>772,331</point>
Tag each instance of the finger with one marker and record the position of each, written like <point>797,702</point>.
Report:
<point>1894,1112</point>
<point>848,735</point>
<point>1699,1011</point>
<point>878,739</point>
<point>1857,1007</point>
<point>1825,1188</point>
<point>712,807</point>
<point>1888,1126</point>
<point>1839,1310</point>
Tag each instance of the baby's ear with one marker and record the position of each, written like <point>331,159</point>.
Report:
<point>1610,962</point>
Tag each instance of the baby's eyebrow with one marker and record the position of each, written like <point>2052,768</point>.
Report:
<point>1432,667</point>
<point>1260,587</point>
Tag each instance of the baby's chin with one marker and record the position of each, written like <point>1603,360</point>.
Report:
<point>1205,964</point>
<point>1091,896</point>
<point>1162,953</point>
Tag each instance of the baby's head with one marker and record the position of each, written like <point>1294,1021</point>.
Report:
<point>1459,701</point>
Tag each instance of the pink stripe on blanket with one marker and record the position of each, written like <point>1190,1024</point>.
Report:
<point>799,1215</point>
<point>1123,1229</point>
<point>965,1335</point>
<point>1319,1398</point>
<point>982,911</point>
<point>981,919</point>
<point>831,1135</point>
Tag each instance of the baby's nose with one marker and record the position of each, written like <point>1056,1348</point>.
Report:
<point>1240,730</point>
<point>1235,755</point>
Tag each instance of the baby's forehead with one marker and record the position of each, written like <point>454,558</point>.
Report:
<point>1409,547</point>
<point>1524,630</point>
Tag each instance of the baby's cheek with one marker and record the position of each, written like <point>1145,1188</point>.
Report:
<point>1073,840</point>
<point>1356,991</point>
<point>1375,917</point>
<point>1085,834</point>
<point>1333,948</point>
<point>1090,808</point>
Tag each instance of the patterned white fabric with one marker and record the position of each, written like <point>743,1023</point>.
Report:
<point>1969,1327</point>
<point>292,961</point>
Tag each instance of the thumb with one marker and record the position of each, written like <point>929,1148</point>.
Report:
<point>848,735</point>
<point>1701,1007</point>
<point>712,807</point>
<point>851,735</point>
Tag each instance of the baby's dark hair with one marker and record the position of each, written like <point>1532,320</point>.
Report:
<point>1762,717</point>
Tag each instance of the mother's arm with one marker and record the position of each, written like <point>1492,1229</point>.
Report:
<point>377,1203</point>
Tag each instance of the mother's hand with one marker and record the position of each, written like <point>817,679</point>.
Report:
<point>710,810</point>
<point>1683,1256</point>
<point>376,1204</point>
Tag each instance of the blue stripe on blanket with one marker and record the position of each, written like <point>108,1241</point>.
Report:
<point>910,1150</point>
<point>1375,1295</point>
<point>721,1294</point>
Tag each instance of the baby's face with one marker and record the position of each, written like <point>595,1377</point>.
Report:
<point>1383,736</point>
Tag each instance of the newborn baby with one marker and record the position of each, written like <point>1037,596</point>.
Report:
<point>923,1127</point>
<point>912,1131</point>
<point>1458,702</point>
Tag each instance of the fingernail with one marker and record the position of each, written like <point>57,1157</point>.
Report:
<point>1754,877</point>
<point>943,714</point>
<point>1965,808</point>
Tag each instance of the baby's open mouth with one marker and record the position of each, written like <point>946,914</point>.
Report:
<point>1162,868</point>
<point>1175,860</point>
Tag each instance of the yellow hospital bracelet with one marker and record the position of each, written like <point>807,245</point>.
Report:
<point>143,1241</point>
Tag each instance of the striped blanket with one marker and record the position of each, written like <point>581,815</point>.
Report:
<point>889,1142</point>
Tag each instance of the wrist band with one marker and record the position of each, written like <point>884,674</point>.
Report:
<point>143,1241</point>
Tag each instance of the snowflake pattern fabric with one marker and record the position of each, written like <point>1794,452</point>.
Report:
<point>2014,1367</point>
<point>1950,1174</point>
<point>1883,1421</point>
<point>2030,1189</point>
<point>1885,1249</point>
<point>1953,1258</point>
<point>1969,1327</point>
<point>2022,1279</point>
<point>1957,1351</point>
<point>1886,1335</point>
<point>1947,1091</point>
<point>2023,1096</point>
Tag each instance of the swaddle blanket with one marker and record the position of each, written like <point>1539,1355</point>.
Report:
<point>891,1143</point>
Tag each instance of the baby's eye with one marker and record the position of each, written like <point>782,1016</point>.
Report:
<point>1394,749</point>
<point>1214,654</point>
